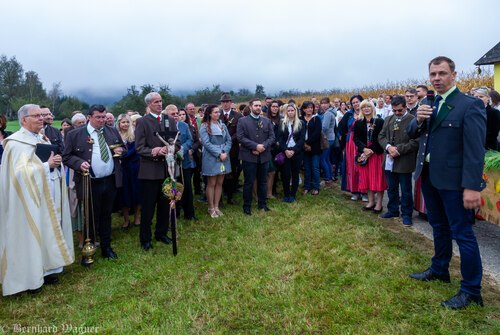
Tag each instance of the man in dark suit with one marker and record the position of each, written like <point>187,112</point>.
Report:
<point>450,161</point>
<point>256,135</point>
<point>87,150</point>
<point>230,118</point>
<point>53,134</point>
<point>153,168</point>
<point>399,161</point>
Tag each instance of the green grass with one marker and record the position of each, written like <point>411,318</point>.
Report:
<point>14,125</point>
<point>320,266</point>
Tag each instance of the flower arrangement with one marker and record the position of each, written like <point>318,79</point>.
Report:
<point>172,189</point>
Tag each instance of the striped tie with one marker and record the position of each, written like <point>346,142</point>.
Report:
<point>103,147</point>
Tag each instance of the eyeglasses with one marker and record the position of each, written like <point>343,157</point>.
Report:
<point>36,116</point>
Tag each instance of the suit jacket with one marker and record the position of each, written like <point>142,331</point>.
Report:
<point>78,149</point>
<point>298,138</point>
<point>361,135</point>
<point>146,128</point>
<point>398,137</point>
<point>55,137</point>
<point>250,133</point>
<point>455,141</point>
<point>232,126</point>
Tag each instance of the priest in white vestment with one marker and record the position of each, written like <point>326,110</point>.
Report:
<point>35,228</point>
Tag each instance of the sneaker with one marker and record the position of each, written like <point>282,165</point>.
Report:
<point>364,198</point>
<point>389,215</point>
<point>355,197</point>
<point>407,221</point>
<point>286,199</point>
<point>291,200</point>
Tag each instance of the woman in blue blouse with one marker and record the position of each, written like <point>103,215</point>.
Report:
<point>215,164</point>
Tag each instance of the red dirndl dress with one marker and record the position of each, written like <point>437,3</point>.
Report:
<point>418,199</point>
<point>352,169</point>
<point>371,175</point>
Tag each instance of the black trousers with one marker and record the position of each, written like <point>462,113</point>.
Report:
<point>187,195</point>
<point>103,193</point>
<point>252,171</point>
<point>152,197</point>
<point>291,169</point>
<point>231,180</point>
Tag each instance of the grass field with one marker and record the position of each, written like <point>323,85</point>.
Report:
<point>320,266</point>
<point>14,125</point>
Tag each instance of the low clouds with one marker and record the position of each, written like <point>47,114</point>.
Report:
<point>110,45</point>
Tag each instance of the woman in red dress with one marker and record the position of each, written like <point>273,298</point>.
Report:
<point>371,174</point>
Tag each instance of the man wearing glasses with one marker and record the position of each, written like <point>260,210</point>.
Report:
<point>87,150</point>
<point>53,134</point>
<point>153,168</point>
<point>36,238</point>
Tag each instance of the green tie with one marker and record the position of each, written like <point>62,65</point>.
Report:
<point>103,147</point>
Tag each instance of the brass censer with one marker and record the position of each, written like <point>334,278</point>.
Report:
<point>89,249</point>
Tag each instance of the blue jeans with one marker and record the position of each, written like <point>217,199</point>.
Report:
<point>450,220</point>
<point>311,172</point>
<point>325,163</point>
<point>394,182</point>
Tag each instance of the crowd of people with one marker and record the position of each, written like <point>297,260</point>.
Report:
<point>373,145</point>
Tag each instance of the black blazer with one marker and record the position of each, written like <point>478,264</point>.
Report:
<point>298,137</point>
<point>78,149</point>
<point>361,135</point>
<point>313,128</point>
<point>55,137</point>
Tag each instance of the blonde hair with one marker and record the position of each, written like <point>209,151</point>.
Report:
<point>363,104</point>
<point>296,123</point>
<point>129,135</point>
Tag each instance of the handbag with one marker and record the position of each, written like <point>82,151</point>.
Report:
<point>279,159</point>
<point>324,142</point>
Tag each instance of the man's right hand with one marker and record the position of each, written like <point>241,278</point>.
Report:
<point>423,113</point>
<point>85,167</point>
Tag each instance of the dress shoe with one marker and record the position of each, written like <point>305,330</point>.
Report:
<point>247,212</point>
<point>50,280</point>
<point>265,209</point>
<point>35,291</point>
<point>407,221</point>
<point>377,211</point>
<point>388,215</point>
<point>428,275</point>
<point>164,239</point>
<point>368,208</point>
<point>462,300</point>
<point>109,253</point>
<point>146,246</point>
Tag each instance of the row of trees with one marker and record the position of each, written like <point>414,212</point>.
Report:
<point>134,99</point>
<point>18,87</point>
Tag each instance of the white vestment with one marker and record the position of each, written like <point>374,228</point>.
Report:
<point>35,224</point>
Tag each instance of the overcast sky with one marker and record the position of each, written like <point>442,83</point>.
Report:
<point>108,45</point>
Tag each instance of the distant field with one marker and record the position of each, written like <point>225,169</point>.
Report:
<point>14,125</point>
